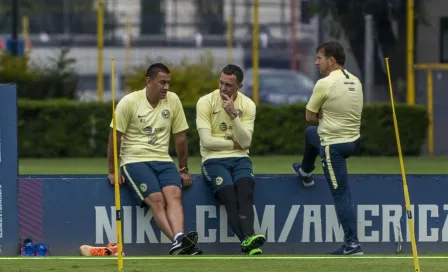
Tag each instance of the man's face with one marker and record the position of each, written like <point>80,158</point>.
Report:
<point>228,85</point>
<point>323,63</point>
<point>160,84</point>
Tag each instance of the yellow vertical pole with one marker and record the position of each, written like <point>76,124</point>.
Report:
<point>100,47</point>
<point>430,102</point>
<point>229,40</point>
<point>25,32</point>
<point>410,53</point>
<point>128,46</point>
<point>255,53</point>
<point>25,27</point>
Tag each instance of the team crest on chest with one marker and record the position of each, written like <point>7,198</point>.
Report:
<point>223,126</point>
<point>165,114</point>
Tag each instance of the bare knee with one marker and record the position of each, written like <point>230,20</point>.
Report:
<point>156,201</point>
<point>172,194</point>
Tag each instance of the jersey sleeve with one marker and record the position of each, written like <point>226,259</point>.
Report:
<point>203,110</point>
<point>248,118</point>
<point>318,96</point>
<point>123,115</point>
<point>179,120</point>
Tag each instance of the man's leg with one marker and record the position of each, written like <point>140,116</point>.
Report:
<point>171,184</point>
<point>217,175</point>
<point>245,182</point>
<point>312,147</point>
<point>335,169</point>
<point>143,182</point>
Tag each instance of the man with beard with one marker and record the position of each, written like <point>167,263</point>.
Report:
<point>336,104</point>
<point>225,122</point>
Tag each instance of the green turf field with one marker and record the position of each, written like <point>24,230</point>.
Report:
<point>226,264</point>
<point>262,165</point>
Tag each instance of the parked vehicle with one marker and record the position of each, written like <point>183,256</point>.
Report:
<point>278,86</point>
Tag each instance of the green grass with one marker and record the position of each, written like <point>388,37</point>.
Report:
<point>262,165</point>
<point>172,264</point>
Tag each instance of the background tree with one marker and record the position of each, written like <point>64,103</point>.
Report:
<point>347,16</point>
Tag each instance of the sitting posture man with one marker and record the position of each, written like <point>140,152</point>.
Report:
<point>225,122</point>
<point>145,119</point>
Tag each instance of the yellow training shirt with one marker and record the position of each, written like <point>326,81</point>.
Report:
<point>340,97</point>
<point>146,130</point>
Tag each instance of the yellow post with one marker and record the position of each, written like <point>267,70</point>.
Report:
<point>229,40</point>
<point>116,174</point>
<point>128,47</point>
<point>430,113</point>
<point>255,57</point>
<point>100,45</point>
<point>410,51</point>
<point>403,176</point>
<point>25,27</point>
<point>25,31</point>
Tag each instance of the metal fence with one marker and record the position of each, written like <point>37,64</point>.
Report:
<point>158,22</point>
<point>135,31</point>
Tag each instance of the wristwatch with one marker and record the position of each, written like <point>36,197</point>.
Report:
<point>183,169</point>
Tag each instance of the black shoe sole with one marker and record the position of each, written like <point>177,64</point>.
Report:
<point>257,243</point>
<point>188,242</point>
<point>302,178</point>
<point>193,237</point>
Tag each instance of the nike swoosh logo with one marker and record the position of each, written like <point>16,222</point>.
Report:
<point>349,251</point>
<point>140,116</point>
<point>215,112</point>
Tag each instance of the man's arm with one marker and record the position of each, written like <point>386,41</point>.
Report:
<point>243,127</point>
<point>204,126</point>
<point>214,143</point>
<point>110,150</point>
<point>181,143</point>
<point>179,128</point>
<point>316,101</point>
<point>311,116</point>
<point>123,117</point>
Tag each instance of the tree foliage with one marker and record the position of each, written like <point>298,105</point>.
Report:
<point>189,80</point>
<point>348,17</point>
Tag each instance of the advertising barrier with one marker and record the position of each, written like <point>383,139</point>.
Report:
<point>8,169</point>
<point>68,211</point>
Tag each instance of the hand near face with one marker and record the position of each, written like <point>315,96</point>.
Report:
<point>229,106</point>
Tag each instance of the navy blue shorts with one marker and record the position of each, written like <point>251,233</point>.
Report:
<point>146,178</point>
<point>221,172</point>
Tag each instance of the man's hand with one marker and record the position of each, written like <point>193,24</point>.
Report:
<point>186,180</point>
<point>229,106</point>
<point>111,177</point>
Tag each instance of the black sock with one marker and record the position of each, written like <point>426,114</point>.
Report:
<point>227,196</point>
<point>245,193</point>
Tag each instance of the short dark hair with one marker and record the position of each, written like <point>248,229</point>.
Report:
<point>232,69</point>
<point>333,49</point>
<point>156,68</point>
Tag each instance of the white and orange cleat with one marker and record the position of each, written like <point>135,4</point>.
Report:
<point>109,250</point>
